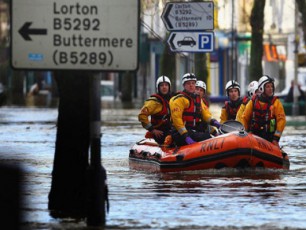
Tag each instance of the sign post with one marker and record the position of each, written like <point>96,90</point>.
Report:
<point>71,34</point>
<point>79,35</point>
<point>96,172</point>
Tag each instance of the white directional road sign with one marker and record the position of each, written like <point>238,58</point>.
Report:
<point>74,34</point>
<point>187,16</point>
<point>191,41</point>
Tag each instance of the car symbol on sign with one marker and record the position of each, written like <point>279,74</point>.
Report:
<point>187,41</point>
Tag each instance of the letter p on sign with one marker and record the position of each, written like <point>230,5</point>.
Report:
<point>206,41</point>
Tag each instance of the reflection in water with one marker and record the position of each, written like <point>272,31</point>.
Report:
<point>252,183</point>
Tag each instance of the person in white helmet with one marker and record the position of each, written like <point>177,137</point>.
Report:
<point>157,108</point>
<point>252,91</point>
<point>264,114</point>
<point>201,90</point>
<point>231,107</point>
<point>187,112</point>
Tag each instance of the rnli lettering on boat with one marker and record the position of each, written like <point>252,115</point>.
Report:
<point>264,145</point>
<point>212,145</point>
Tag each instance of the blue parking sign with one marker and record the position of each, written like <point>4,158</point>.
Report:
<point>191,41</point>
<point>206,41</point>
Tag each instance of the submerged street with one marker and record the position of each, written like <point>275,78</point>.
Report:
<point>211,199</point>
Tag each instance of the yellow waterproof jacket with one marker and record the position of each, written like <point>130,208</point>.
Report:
<point>178,104</point>
<point>230,109</point>
<point>150,107</point>
<point>277,111</point>
<point>240,112</point>
<point>245,100</point>
<point>223,116</point>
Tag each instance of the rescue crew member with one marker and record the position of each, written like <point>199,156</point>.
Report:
<point>187,112</point>
<point>231,107</point>
<point>264,115</point>
<point>201,90</point>
<point>252,90</point>
<point>157,107</point>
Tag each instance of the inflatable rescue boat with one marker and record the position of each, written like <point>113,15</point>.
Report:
<point>235,148</point>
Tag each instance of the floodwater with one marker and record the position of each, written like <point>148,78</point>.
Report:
<point>211,199</point>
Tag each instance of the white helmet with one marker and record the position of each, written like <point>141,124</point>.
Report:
<point>162,79</point>
<point>232,84</point>
<point>188,77</point>
<point>201,84</point>
<point>252,87</point>
<point>263,81</point>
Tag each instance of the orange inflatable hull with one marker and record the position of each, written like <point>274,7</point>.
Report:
<point>232,150</point>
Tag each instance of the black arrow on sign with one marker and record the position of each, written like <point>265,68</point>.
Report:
<point>166,16</point>
<point>172,46</point>
<point>25,31</point>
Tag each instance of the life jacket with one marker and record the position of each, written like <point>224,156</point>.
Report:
<point>232,108</point>
<point>192,114</point>
<point>245,100</point>
<point>205,102</point>
<point>263,121</point>
<point>161,119</point>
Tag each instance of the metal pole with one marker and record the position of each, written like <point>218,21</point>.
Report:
<point>97,190</point>
<point>177,73</point>
<point>233,77</point>
<point>295,105</point>
<point>191,63</point>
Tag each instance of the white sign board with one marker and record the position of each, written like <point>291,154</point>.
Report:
<point>187,16</point>
<point>74,34</point>
<point>191,41</point>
